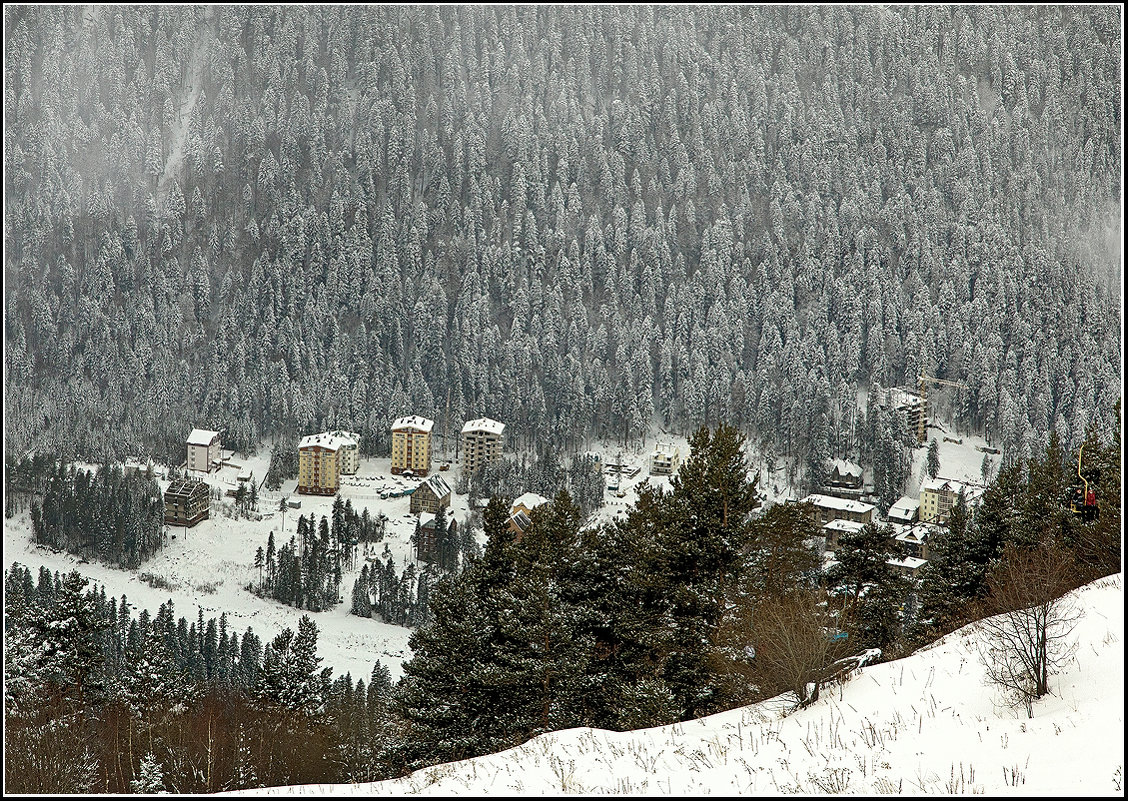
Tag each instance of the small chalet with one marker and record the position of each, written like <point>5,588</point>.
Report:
<point>908,566</point>
<point>527,503</point>
<point>519,523</point>
<point>845,475</point>
<point>905,511</point>
<point>187,501</point>
<point>431,495</point>
<point>913,541</point>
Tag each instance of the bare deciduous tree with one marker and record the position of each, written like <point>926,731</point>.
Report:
<point>1028,621</point>
<point>793,648</point>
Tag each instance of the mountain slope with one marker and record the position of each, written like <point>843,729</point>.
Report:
<point>924,724</point>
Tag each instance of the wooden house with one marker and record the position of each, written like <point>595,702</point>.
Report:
<point>431,495</point>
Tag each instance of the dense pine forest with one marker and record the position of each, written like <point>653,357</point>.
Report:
<point>582,221</point>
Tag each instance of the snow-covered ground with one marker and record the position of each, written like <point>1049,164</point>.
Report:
<point>209,565</point>
<point>927,724</point>
<point>637,457</point>
<point>961,458</point>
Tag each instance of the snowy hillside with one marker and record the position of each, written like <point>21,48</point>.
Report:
<point>924,724</point>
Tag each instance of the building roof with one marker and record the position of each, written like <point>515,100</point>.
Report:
<point>427,520</point>
<point>847,526</point>
<point>346,437</point>
<point>903,398</point>
<point>839,504</point>
<point>201,436</point>
<point>939,485</point>
<point>324,440</point>
<point>185,486</point>
<point>665,449</point>
<point>911,562</point>
<point>437,484</point>
<point>904,507</point>
<point>414,421</point>
<point>846,468</point>
<point>530,500</point>
<point>521,520</point>
<point>484,424</point>
<point>915,534</point>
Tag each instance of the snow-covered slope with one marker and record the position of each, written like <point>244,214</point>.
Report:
<point>924,724</point>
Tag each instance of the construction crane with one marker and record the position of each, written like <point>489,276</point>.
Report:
<point>924,381</point>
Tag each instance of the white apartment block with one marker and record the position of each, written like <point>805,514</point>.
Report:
<point>203,450</point>
<point>482,442</point>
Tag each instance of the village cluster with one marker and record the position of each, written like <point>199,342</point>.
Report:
<point>325,457</point>
<point>912,521</point>
<point>841,507</point>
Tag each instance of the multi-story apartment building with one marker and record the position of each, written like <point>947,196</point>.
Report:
<point>187,501</point>
<point>411,445</point>
<point>203,450</point>
<point>430,496</point>
<point>665,459</point>
<point>349,452</point>
<point>427,543</point>
<point>319,466</point>
<point>939,495</point>
<point>482,441</point>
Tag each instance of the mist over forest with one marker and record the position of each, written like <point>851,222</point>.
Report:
<point>582,221</point>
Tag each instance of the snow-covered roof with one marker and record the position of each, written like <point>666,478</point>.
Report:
<point>201,436</point>
<point>904,507</point>
<point>346,437</point>
<point>414,421</point>
<point>847,468</point>
<point>848,526</point>
<point>185,487</point>
<point>484,424</point>
<point>901,398</point>
<point>323,440</point>
<point>914,534</point>
<point>521,520</point>
<point>911,562</point>
<point>946,485</point>
<point>840,504</point>
<point>665,449</point>
<point>438,485</point>
<point>530,500</point>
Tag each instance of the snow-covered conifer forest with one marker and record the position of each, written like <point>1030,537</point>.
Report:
<point>588,219</point>
<point>736,228</point>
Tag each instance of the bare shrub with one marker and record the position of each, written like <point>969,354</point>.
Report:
<point>793,650</point>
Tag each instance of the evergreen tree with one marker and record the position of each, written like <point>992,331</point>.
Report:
<point>150,780</point>
<point>933,462</point>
